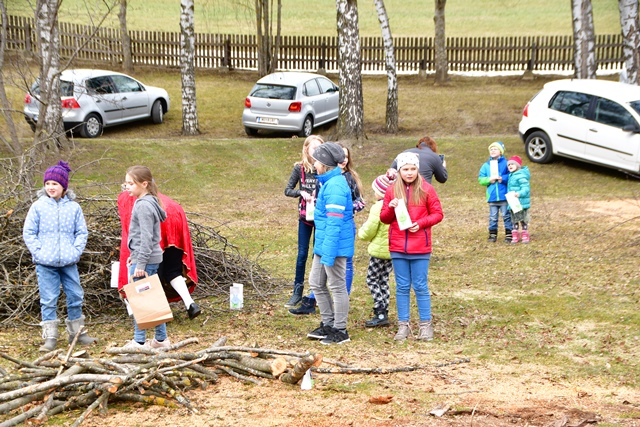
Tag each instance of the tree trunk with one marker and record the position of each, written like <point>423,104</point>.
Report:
<point>187,69</point>
<point>50,129</point>
<point>127,59</point>
<point>276,47</point>
<point>12,142</point>
<point>630,39</point>
<point>263,25</point>
<point>351,111</point>
<point>442,62</point>
<point>390,65</point>
<point>584,39</point>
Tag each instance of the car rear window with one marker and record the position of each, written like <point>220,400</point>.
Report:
<point>66,88</point>
<point>261,90</point>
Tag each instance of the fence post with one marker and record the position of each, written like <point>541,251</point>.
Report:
<point>27,37</point>
<point>321,61</point>
<point>422,68</point>
<point>227,54</point>
<point>531,64</point>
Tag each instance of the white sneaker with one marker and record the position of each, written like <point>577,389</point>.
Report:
<point>154,343</point>
<point>134,345</point>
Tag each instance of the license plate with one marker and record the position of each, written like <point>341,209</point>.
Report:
<point>267,120</point>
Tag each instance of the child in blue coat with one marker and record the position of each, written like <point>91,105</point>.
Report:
<point>519,185</point>
<point>334,243</point>
<point>55,233</point>
<point>494,175</point>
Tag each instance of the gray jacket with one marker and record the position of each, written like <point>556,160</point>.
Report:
<point>144,232</point>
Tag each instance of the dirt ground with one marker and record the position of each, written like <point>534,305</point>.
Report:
<point>475,393</point>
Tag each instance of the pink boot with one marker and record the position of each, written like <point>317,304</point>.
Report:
<point>515,236</point>
<point>525,236</point>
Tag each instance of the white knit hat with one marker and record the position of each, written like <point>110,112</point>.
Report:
<point>407,158</point>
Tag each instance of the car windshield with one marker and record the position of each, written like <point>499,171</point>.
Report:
<point>636,106</point>
<point>261,90</point>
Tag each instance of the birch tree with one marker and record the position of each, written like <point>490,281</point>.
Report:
<point>127,59</point>
<point>268,47</point>
<point>584,39</point>
<point>187,69</point>
<point>390,66</point>
<point>351,111</point>
<point>50,128</point>
<point>442,62</point>
<point>630,39</point>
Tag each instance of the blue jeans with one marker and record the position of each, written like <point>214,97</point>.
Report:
<point>160,330</point>
<point>305,231</point>
<point>49,280</point>
<point>412,272</point>
<point>494,209</point>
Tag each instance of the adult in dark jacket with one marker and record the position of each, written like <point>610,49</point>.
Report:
<point>431,164</point>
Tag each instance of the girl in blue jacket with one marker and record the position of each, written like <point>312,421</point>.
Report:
<point>55,233</point>
<point>519,185</point>
<point>334,243</point>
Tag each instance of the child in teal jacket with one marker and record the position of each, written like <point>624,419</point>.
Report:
<point>519,179</point>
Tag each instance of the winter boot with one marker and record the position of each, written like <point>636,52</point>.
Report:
<point>525,236</point>
<point>507,236</point>
<point>403,331</point>
<point>308,306</point>
<point>493,236</point>
<point>515,236</point>
<point>380,318</point>
<point>426,331</point>
<point>50,334</point>
<point>73,326</point>
<point>296,296</point>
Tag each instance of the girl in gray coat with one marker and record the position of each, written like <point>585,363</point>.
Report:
<point>55,233</point>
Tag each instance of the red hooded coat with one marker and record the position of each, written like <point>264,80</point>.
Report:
<point>174,232</point>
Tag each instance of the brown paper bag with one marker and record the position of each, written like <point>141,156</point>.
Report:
<point>148,302</point>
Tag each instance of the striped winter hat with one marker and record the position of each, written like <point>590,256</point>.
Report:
<point>380,185</point>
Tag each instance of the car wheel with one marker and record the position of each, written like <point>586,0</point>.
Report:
<point>251,131</point>
<point>538,147</point>
<point>307,127</point>
<point>157,115</point>
<point>92,126</point>
<point>32,125</point>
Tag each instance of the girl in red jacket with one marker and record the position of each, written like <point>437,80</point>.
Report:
<point>411,247</point>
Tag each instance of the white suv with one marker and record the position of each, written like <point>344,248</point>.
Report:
<point>595,121</point>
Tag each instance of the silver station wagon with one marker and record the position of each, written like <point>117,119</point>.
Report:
<point>95,99</point>
<point>290,102</point>
<point>594,121</point>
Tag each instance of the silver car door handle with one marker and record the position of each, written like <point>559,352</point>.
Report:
<point>553,119</point>
<point>593,130</point>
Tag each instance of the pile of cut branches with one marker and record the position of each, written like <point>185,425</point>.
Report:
<point>54,382</point>
<point>219,263</point>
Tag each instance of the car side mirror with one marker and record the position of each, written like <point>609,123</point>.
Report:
<point>632,128</point>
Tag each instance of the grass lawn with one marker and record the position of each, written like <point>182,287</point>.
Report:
<point>478,18</point>
<point>541,323</point>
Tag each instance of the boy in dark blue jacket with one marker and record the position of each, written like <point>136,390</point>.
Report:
<point>334,243</point>
<point>494,175</point>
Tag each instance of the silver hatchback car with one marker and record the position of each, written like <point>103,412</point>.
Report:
<point>95,99</point>
<point>291,102</point>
